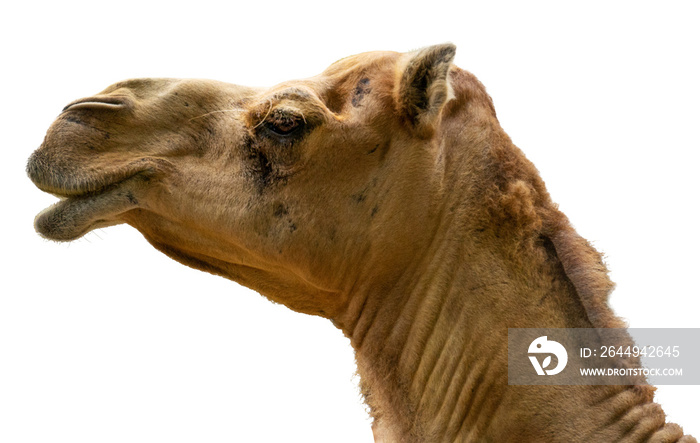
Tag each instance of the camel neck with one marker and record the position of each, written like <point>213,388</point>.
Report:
<point>432,357</point>
<point>431,364</point>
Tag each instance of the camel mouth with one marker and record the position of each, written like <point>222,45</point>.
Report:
<point>87,202</point>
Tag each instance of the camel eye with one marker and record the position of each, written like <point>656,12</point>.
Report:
<point>283,124</point>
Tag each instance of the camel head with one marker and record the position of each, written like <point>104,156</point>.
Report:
<point>382,194</point>
<point>281,189</point>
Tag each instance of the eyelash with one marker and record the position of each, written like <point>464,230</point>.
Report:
<point>284,126</point>
<point>282,123</point>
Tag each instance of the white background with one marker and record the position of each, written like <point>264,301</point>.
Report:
<point>106,340</point>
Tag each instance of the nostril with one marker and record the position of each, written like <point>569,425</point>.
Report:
<point>103,102</point>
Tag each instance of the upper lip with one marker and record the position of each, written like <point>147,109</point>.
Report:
<point>66,183</point>
<point>86,187</point>
<point>105,102</point>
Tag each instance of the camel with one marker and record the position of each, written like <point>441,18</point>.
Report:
<point>383,195</point>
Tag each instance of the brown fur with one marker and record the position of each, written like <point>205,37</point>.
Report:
<point>383,195</point>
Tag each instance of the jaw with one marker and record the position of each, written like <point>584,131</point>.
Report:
<point>225,254</point>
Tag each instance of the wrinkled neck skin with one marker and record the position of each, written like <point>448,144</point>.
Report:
<point>432,357</point>
<point>431,344</point>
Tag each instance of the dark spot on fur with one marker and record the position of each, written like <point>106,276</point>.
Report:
<point>360,91</point>
<point>374,211</point>
<point>360,197</point>
<point>263,166</point>
<point>107,136</point>
<point>382,149</point>
<point>92,148</point>
<point>259,167</point>
<point>292,227</point>
<point>280,210</point>
<point>264,170</point>
<point>73,119</point>
<point>187,104</point>
<point>131,198</point>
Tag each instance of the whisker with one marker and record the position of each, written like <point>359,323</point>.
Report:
<point>215,112</point>
<point>262,120</point>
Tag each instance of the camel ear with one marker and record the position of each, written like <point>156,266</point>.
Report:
<point>423,87</point>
